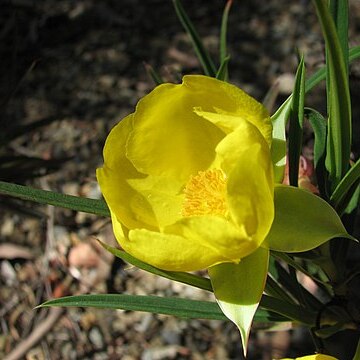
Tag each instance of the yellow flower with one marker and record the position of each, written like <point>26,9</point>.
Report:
<point>188,176</point>
<point>314,357</point>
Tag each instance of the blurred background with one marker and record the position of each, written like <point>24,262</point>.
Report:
<point>69,71</point>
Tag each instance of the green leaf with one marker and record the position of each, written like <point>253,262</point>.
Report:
<point>271,305</point>
<point>328,331</point>
<point>271,96</point>
<point>238,289</point>
<point>292,286</point>
<point>293,312</point>
<point>318,123</point>
<point>184,308</point>
<point>296,123</point>
<point>280,117</point>
<point>339,107</point>
<point>354,200</point>
<point>339,10</point>
<point>91,206</point>
<point>154,75</point>
<point>354,53</point>
<point>343,193</point>
<point>302,221</point>
<point>222,73</point>
<point>202,54</point>
<point>224,58</point>
<point>290,261</point>
<point>183,277</point>
<point>274,289</point>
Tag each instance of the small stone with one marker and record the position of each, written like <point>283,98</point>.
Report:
<point>96,338</point>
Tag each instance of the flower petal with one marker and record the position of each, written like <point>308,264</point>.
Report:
<point>230,106</point>
<point>215,234</point>
<point>191,244</point>
<point>314,357</point>
<point>130,207</point>
<point>229,122</point>
<point>245,158</point>
<point>168,138</point>
<point>164,196</point>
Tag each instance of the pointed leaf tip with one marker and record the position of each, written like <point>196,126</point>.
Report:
<point>238,289</point>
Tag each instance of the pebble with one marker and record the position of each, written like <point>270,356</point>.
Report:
<point>96,338</point>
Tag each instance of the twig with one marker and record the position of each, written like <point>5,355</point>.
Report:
<point>36,336</point>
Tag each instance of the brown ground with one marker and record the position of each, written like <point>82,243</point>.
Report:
<point>79,66</point>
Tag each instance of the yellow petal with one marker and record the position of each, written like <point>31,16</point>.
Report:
<point>229,123</point>
<point>130,206</point>
<point>314,357</point>
<point>245,158</point>
<point>191,244</point>
<point>216,234</point>
<point>230,106</point>
<point>164,195</point>
<point>168,138</point>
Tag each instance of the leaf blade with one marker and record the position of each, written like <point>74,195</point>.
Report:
<point>222,72</point>
<point>202,54</point>
<point>238,289</point>
<point>339,107</point>
<point>295,207</point>
<point>340,197</point>
<point>91,206</point>
<point>296,123</point>
<point>318,124</point>
<point>179,307</point>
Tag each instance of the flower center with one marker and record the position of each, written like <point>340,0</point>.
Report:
<point>205,194</point>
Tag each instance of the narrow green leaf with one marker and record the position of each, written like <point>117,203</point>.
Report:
<point>224,58</point>
<point>302,221</point>
<point>222,73</point>
<point>328,331</point>
<point>354,53</point>
<point>354,201</point>
<point>184,308</point>
<point>296,288</point>
<point>202,54</point>
<point>271,96</point>
<point>280,117</point>
<point>346,188</point>
<point>296,123</point>
<point>295,313</point>
<point>274,289</point>
<point>183,277</point>
<point>238,289</point>
<point>154,75</point>
<point>282,276</point>
<point>313,80</point>
<point>339,108</point>
<point>290,261</point>
<point>318,124</point>
<point>339,10</point>
<point>91,206</point>
<point>285,279</point>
